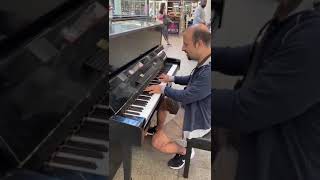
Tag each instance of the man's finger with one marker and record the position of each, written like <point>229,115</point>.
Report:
<point>148,88</point>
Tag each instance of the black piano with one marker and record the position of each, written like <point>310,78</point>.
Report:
<point>136,59</point>
<point>66,113</point>
<point>53,74</point>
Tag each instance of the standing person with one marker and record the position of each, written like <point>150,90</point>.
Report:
<point>199,13</point>
<point>276,108</point>
<point>163,17</point>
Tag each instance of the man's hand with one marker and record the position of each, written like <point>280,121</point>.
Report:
<point>154,89</point>
<point>164,78</point>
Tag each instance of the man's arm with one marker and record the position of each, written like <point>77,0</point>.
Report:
<point>231,61</point>
<point>199,89</point>
<point>182,80</point>
<point>285,88</point>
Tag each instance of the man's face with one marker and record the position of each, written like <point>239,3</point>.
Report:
<point>188,46</point>
<point>203,3</point>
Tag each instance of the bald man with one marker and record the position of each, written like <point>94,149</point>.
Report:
<point>192,104</point>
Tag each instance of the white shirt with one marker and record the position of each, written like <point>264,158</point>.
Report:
<point>199,15</point>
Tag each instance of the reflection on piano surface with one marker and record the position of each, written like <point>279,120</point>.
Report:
<point>65,112</point>
<point>53,93</point>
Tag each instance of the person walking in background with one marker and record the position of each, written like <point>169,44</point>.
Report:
<point>163,17</point>
<point>199,13</point>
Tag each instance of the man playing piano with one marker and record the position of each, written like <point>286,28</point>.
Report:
<point>194,117</point>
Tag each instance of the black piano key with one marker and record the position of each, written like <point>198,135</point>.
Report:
<point>166,68</point>
<point>145,93</point>
<point>139,109</point>
<point>74,162</point>
<point>140,103</point>
<point>147,98</point>
<point>82,152</point>
<point>90,146</point>
<point>133,113</point>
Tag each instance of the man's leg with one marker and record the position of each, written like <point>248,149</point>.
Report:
<point>163,143</point>
<point>162,113</point>
<point>166,145</point>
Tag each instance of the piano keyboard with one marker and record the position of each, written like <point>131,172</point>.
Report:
<point>145,103</point>
<point>86,150</point>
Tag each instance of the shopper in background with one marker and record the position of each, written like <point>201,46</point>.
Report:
<point>199,13</point>
<point>163,17</point>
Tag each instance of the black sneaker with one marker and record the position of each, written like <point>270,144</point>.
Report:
<point>152,131</point>
<point>177,162</point>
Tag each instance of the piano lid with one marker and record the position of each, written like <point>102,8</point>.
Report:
<point>131,40</point>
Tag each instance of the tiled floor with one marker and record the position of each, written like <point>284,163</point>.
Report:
<point>148,163</point>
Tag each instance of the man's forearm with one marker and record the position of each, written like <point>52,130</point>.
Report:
<point>231,61</point>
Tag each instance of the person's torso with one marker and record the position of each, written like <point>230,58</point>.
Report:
<point>201,15</point>
<point>198,113</point>
<point>291,148</point>
<point>160,17</point>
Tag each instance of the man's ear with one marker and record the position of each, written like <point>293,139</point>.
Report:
<point>196,45</point>
<point>199,44</point>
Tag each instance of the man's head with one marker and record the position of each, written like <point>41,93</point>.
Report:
<point>196,42</point>
<point>203,3</point>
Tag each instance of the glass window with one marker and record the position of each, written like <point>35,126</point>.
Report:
<point>129,7</point>
<point>154,7</point>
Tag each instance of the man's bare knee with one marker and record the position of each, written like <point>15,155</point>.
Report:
<point>159,140</point>
<point>156,141</point>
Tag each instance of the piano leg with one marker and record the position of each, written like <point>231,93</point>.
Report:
<point>127,160</point>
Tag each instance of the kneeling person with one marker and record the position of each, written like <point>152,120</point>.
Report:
<point>193,118</point>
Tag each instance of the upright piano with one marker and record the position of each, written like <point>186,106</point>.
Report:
<point>136,59</point>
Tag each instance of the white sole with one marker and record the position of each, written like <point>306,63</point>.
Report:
<point>176,168</point>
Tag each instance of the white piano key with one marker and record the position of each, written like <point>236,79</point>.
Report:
<point>131,115</point>
<point>152,102</point>
<point>132,112</point>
